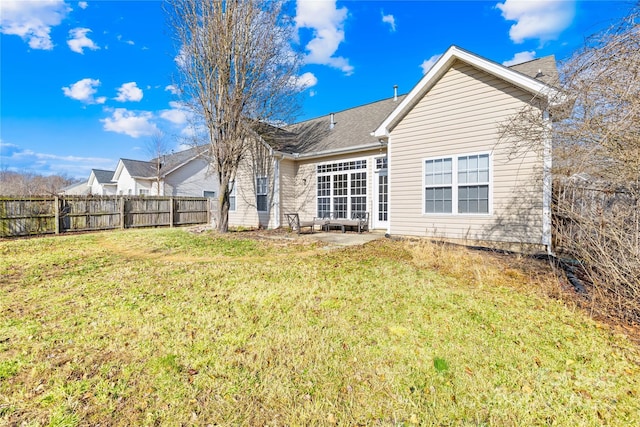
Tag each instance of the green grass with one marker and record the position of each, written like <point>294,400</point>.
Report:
<point>164,327</point>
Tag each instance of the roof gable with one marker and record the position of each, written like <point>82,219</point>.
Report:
<point>101,176</point>
<point>171,162</point>
<point>445,62</point>
<point>135,168</point>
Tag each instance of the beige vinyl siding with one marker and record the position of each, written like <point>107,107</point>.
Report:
<point>460,116</point>
<point>287,189</point>
<point>246,213</point>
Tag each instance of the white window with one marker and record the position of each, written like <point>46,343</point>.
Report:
<point>261,193</point>
<point>208,194</point>
<point>438,186</point>
<point>457,184</point>
<point>473,184</point>
<point>232,196</point>
<point>143,192</point>
<point>342,188</point>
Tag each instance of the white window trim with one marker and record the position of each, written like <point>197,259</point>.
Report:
<point>455,185</point>
<point>369,163</point>
<point>265,194</point>
<point>233,193</point>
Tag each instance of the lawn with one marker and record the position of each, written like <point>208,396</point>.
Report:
<point>168,327</point>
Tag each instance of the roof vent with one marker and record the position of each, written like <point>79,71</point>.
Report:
<point>395,92</point>
<point>332,121</point>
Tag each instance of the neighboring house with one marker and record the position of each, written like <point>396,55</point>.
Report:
<point>428,164</point>
<point>78,189</point>
<point>185,173</point>
<point>100,183</point>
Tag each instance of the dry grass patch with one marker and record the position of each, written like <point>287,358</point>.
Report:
<point>166,327</point>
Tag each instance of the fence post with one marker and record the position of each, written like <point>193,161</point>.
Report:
<point>171,210</point>
<point>57,214</point>
<point>122,212</point>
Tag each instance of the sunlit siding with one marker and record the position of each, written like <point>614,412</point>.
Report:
<point>460,116</point>
<point>287,189</point>
<point>192,179</point>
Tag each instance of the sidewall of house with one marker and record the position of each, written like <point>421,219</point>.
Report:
<point>125,183</point>
<point>460,116</point>
<point>191,180</point>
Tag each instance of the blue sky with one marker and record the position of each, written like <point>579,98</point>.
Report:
<point>83,84</point>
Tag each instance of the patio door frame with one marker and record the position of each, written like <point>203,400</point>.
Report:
<point>377,189</point>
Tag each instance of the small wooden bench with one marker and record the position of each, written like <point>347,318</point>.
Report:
<point>358,220</point>
<point>296,225</point>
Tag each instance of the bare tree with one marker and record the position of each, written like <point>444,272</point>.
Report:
<point>32,184</point>
<point>236,67</point>
<point>158,148</point>
<point>596,156</point>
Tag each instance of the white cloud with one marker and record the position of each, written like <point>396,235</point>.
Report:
<point>129,92</point>
<point>83,4</point>
<point>130,123</point>
<point>171,88</point>
<point>32,20</point>
<point>389,19</point>
<point>520,57</point>
<point>78,40</point>
<point>19,159</point>
<point>177,114</point>
<point>83,90</point>
<point>305,81</point>
<point>428,63</point>
<point>131,42</point>
<point>327,25</point>
<point>542,19</point>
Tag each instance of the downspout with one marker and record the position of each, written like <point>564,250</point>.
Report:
<point>389,192</point>
<point>547,183</point>
<point>276,191</point>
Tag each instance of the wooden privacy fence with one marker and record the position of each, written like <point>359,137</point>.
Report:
<point>586,215</point>
<point>59,214</point>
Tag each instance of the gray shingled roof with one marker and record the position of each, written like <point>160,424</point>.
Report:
<point>139,169</point>
<point>103,176</point>
<point>352,128</point>
<point>543,69</point>
<point>171,161</point>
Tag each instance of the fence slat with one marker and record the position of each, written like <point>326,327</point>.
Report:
<point>58,214</point>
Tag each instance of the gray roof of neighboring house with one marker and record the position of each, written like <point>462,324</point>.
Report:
<point>173,160</point>
<point>352,128</point>
<point>543,69</point>
<point>139,168</point>
<point>103,176</point>
<point>148,169</point>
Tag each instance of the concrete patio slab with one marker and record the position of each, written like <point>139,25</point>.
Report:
<point>346,239</point>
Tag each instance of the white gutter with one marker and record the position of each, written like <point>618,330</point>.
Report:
<point>332,152</point>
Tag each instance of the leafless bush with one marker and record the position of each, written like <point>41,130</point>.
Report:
<point>599,226</point>
<point>596,162</point>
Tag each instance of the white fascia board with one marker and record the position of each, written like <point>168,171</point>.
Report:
<point>442,66</point>
<point>118,172</point>
<point>331,152</point>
